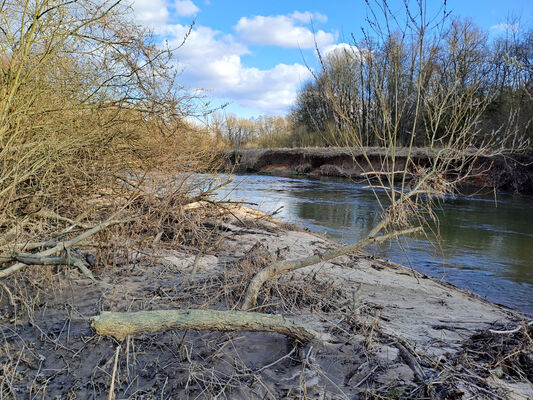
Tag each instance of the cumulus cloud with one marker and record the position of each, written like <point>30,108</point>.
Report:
<point>341,49</point>
<point>284,30</point>
<point>307,17</point>
<point>186,8</point>
<point>212,60</point>
<point>150,13</point>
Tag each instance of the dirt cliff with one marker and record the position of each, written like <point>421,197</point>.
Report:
<point>503,173</point>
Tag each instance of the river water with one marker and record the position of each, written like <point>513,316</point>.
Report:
<point>486,245</point>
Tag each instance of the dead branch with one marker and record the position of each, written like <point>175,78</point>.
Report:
<point>28,246</point>
<point>33,259</point>
<point>61,246</point>
<point>49,214</point>
<point>121,324</point>
<point>411,362</point>
<point>113,375</point>
<point>271,271</point>
<point>370,173</point>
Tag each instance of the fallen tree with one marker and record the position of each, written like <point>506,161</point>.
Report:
<point>121,324</point>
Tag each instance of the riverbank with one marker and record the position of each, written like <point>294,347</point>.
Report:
<point>513,174</point>
<point>395,333</point>
<point>483,243</point>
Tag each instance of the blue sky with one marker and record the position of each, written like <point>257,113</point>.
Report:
<point>255,54</point>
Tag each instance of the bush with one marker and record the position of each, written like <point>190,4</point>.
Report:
<point>87,102</point>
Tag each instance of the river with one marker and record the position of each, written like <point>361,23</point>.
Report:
<point>485,246</point>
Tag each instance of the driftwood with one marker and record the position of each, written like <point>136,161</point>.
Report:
<point>58,248</point>
<point>281,267</point>
<point>121,324</point>
<point>31,259</point>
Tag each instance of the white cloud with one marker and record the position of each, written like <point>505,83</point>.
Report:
<point>186,8</point>
<point>212,60</point>
<point>341,49</point>
<point>504,28</point>
<point>151,13</point>
<point>271,90</point>
<point>307,17</point>
<point>284,30</point>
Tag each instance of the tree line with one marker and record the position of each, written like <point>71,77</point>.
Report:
<point>392,82</point>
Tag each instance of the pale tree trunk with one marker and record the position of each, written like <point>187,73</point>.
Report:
<point>121,324</point>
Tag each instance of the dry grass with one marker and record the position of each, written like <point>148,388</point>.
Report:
<point>92,129</point>
<point>189,364</point>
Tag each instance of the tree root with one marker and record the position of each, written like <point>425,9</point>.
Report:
<point>121,324</point>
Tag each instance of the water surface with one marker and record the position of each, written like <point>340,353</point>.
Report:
<point>486,246</point>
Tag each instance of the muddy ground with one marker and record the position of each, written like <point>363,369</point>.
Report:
<point>396,333</point>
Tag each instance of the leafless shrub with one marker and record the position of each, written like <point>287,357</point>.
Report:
<point>93,126</point>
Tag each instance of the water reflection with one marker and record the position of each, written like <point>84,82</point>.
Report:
<point>486,246</point>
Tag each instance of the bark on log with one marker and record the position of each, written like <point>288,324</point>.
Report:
<point>271,271</point>
<point>121,324</point>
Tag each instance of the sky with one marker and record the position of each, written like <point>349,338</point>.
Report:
<point>255,55</point>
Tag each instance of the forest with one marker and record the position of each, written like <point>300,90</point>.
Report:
<point>374,83</point>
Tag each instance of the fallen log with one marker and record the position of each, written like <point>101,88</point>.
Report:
<point>121,324</point>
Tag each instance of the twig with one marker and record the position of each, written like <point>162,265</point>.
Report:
<point>112,387</point>
<point>411,362</point>
<point>10,295</point>
<point>194,268</point>
<point>365,377</point>
<point>275,362</point>
<point>45,213</point>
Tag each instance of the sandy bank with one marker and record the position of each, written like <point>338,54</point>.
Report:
<point>396,333</point>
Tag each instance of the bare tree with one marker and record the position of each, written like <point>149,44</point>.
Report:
<point>87,100</point>
<point>411,104</point>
